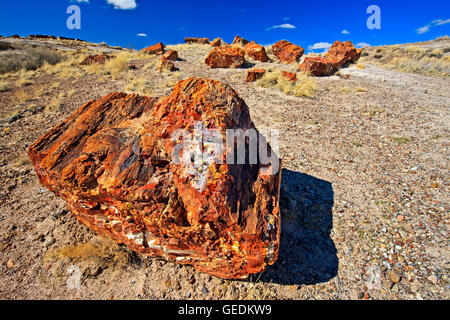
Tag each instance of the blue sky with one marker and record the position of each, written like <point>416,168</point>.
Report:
<point>141,23</point>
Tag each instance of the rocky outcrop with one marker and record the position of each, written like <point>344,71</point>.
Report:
<point>171,55</point>
<point>225,57</point>
<point>287,52</point>
<point>239,41</point>
<point>100,58</point>
<point>342,53</point>
<point>154,49</point>
<point>196,40</point>
<point>217,42</point>
<point>112,162</point>
<point>290,76</point>
<point>254,74</point>
<point>317,66</point>
<point>256,51</point>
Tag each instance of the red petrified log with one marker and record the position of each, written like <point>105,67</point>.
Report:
<point>256,51</point>
<point>196,40</point>
<point>225,57</point>
<point>171,55</point>
<point>287,52</point>
<point>154,49</point>
<point>217,42</point>
<point>317,66</point>
<point>291,76</point>
<point>100,58</point>
<point>239,41</point>
<point>254,74</point>
<point>341,53</point>
<point>166,65</point>
<point>111,162</point>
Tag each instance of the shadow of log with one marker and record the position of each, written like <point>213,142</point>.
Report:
<point>307,253</point>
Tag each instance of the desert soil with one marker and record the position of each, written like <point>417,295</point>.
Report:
<point>364,196</point>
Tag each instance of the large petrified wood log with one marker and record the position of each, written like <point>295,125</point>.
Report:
<point>111,161</point>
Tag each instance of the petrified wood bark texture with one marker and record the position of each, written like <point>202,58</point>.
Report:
<point>111,162</point>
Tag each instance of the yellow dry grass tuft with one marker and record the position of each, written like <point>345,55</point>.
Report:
<point>22,161</point>
<point>4,86</point>
<point>55,103</point>
<point>140,86</point>
<point>21,96</point>
<point>305,86</point>
<point>118,65</point>
<point>107,252</point>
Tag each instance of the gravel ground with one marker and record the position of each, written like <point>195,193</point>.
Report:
<point>364,197</point>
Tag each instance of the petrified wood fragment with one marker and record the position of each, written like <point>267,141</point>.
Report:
<point>287,52</point>
<point>225,57</point>
<point>99,58</point>
<point>254,74</point>
<point>342,53</point>
<point>111,161</point>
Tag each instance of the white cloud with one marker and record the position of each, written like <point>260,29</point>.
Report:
<point>440,22</point>
<point>320,45</point>
<point>79,1</point>
<point>282,26</point>
<point>362,45</point>
<point>345,31</point>
<point>142,35</point>
<point>123,4</point>
<point>423,29</point>
<point>437,22</point>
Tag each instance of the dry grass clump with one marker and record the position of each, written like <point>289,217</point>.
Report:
<point>412,59</point>
<point>4,86</point>
<point>151,64</point>
<point>401,140</point>
<point>424,65</point>
<point>21,96</point>
<point>55,103</point>
<point>346,90</point>
<point>26,57</point>
<point>140,86</point>
<point>305,86</point>
<point>105,252</point>
<point>25,78</point>
<point>117,65</point>
<point>67,68</point>
<point>22,161</point>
